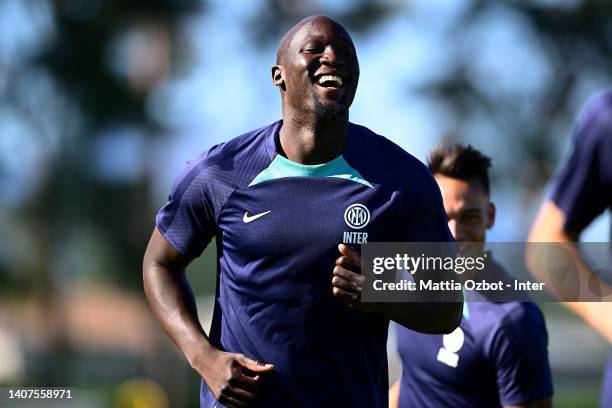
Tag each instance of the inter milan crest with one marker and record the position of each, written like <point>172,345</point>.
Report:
<point>357,216</point>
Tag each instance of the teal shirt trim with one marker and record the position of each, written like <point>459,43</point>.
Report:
<point>282,167</point>
<point>466,310</point>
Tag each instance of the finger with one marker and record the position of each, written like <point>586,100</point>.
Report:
<point>344,284</point>
<point>349,252</point>
<point>348,263</point>
<point>240,394</point>
<point>255,366</point>
<point>352,277</point>
<point>231,402</point>
<point>245,382</point>
<point>348,297</point>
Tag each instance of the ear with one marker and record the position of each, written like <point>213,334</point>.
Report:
<point>277,75</point>
<point>491,215</point>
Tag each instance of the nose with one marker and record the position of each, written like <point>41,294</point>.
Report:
<point>329,56</point>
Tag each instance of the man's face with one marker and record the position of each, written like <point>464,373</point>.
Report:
<point>320,70</point>
<point>467,206</point>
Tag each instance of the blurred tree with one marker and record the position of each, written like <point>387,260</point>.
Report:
<point>573,41</point>
<point>90,75</point>
<point>103,59</point>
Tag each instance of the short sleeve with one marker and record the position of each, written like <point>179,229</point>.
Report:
<point>581,187</point>
<point>187,219</point>
<point>426,220</point>
<point>519,352</point>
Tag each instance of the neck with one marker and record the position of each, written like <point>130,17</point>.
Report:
<point>313,140</point>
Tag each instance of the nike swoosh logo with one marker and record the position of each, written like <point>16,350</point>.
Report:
<point>246,218</point>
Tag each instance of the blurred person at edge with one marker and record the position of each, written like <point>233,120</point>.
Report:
<point>580,190</point>
<point>284,202</point>
<point>498,356</point>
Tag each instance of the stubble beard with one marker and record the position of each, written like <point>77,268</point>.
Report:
<point>328,111</point>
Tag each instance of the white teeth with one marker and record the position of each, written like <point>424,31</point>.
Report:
<point>330,78</point>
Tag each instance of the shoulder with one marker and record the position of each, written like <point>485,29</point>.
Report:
<point>506,318</point>
<point>519,325</point>
<point>507,329</point>
<point>232,161</point>
<point>594,122</point>
<point>385,157</point>
<point>248,144</point>
<point>599,106</point>
<point>371,143</point>
<point>522,315</point>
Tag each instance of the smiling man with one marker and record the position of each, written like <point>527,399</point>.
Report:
<point>285,204</point>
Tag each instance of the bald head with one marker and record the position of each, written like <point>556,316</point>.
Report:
<point>317,70</point>
<point>285,42</point>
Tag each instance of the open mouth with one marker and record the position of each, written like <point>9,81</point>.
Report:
<point>329,81</point>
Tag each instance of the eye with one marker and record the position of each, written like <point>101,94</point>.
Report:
<point>313,48</point>
<point>471,217</point>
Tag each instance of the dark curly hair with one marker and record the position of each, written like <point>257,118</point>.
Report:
<point>455,160</point>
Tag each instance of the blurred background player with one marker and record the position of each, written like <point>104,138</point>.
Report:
<point>579,192</point>
<point>289,328</point>
<point>498,355</point>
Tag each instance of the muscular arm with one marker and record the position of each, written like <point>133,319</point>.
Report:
<point>425,317</point>
<point>549,227</point>
<point>171,298</point>
<point>232,378</point>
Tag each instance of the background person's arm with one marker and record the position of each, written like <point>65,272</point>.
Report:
<point>232,378</point>
<point>549,227</point>
<point>394,393</point>
<point>579,193</point>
